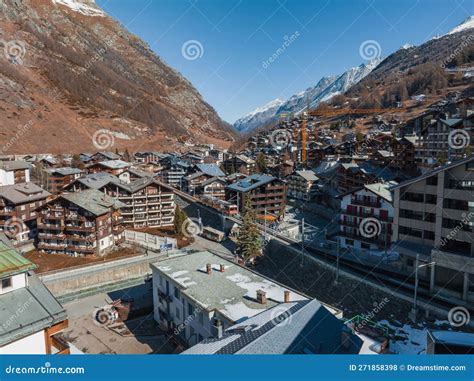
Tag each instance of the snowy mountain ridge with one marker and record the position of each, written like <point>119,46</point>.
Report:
<point>325,89</point>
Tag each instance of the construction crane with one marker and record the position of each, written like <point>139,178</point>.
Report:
<point>304,132</point>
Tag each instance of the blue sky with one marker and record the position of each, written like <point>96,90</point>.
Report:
<point>238,36</point>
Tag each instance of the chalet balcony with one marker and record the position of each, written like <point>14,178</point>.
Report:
<point>7,211</point>
<point>51,246</point>
<point>82,249</point>
<point>81,238</point>
<point>80,228</point>
<point>51,235</point>
<point>42,225</point>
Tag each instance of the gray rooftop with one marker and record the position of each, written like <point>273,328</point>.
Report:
<point>308,175</point>
<point>65,171</point>
<point>232,292</point>
<point>13,165</point>
<point>114,164</point>
<point>289,328</point>
<point>251,182</point>
<point>93,201</point>
<point>28,310</point>
<point>210,170</point>
<point>23,193</point>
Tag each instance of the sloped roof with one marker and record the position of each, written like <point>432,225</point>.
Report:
<point>12,262</point>
<point>211,170</point>
<point>28,310</point>
<point>435,171</point>
<point>23,192</point>
<point>93,201</point>
<point>251,182</point>
<point>232,292</point>
<point>12,165</point>
<point>289,328</point>
<point>308,175</point>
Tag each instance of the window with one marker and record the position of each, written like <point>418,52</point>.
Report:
<point>428,235</point>
<point>201,318</point>
<point>190,309</point>
<point>411,196</point>
<point>6,283</point>
<point>178,313</point>
<point>200,338</point>
<point>433,180</point>
<point>177,293</point>
<point>430,199</point>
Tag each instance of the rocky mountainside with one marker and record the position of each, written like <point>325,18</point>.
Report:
<point>73,79</point>
<point>325,89</point>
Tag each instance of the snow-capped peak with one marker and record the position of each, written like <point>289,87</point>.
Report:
<point>406,46</point>
<point>465,25</point>
<point>257,116</point>
<point>272,104</point>
<point>86,7</point>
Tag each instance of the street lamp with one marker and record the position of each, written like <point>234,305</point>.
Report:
<point>414,310</point>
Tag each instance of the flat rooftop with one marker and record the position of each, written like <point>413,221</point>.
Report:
<point>232,292</point>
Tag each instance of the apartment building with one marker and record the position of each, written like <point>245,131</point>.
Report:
<point>404,154</point>
<point>78,224</point>
<point>18,210</point>
<point>267,194</point>
<point>367,218</point>
<point>191,292</point>
<point>31,319</point>
<point>213,187</point>
<point>55,179</point>
<point>302,184</point>
<point>239,163</point>
<point>202,173</point>
<point>14,172</point>
<point>174,171</point>
<point>114,167</point>
<point>434,217</point>
<point>148,203</point>
<point>445,140</point>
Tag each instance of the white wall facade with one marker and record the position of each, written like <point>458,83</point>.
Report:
<point>33,345</point>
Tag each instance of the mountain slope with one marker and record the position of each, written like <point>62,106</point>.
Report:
<point>325,89</point>
<point>70,71</point>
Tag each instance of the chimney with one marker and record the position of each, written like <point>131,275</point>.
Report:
<point>216,328</point>
<point>222,268</point>
<point>209,268</point>
<point>286,297</point>
<point>261,297</point>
